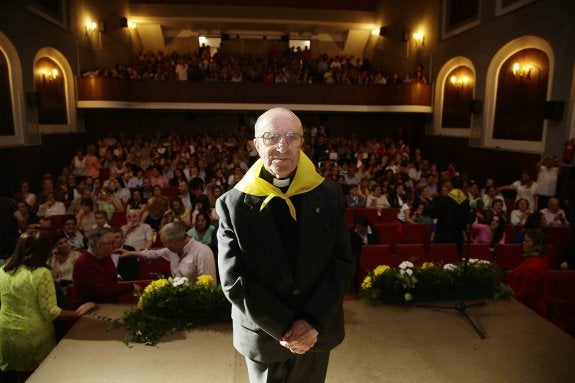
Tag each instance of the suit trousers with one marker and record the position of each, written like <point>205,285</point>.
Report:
<point>310,367</point>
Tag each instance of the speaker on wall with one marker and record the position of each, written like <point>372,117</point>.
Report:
<point>383,31</point>
<point>553,110</point>
<point>32,99</point>
<point>225,37</point>
<point>285,38</point>
<point>475,107</point>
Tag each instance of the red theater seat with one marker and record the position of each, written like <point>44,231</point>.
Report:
<point>508,256</point>
<point>443,253</point>
<point>413,233</point>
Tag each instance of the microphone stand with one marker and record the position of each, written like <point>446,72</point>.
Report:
<point>461,306</point>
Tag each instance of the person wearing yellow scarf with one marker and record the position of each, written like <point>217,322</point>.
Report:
<point>284,257</point>
<point>453,214</point>
<point>305,179</point>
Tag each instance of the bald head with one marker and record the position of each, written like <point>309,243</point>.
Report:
<point>277,116</point>
<point>278,139</point>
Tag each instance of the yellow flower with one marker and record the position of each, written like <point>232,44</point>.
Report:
<point>380,270</point>
<point>205,281</point>
<point>427,265</point>
<point>366,284</point>
<point>154,285</point>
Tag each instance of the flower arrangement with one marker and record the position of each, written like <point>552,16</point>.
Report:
<point>473,279</point>
<point>170,305</point>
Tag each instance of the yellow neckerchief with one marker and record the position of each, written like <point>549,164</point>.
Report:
<point>457,195</point>
<point>306,179</point>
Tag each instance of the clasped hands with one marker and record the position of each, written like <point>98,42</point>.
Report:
<point>299,337</point>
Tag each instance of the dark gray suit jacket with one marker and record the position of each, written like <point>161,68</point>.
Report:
<point>256,276</point>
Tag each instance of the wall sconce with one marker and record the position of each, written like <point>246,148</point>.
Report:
<point>418,38</point>
<point>459,82</point>
<point>521,71</point>
<point>47,74</point>
<point>90,27</point>
<point>132,26</point>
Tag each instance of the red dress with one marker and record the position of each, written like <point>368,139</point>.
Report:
<point>528,283</point>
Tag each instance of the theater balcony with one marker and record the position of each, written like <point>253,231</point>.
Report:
<point>119,93</point>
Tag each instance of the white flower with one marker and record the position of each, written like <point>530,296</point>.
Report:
<point>405,265</point>
<point>409,272</point>
<point>483,262</point>
<point>473,260</point>
<point>179,281</point>
<point>449,267</point>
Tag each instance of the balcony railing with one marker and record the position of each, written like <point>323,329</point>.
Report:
<point>106,92</point>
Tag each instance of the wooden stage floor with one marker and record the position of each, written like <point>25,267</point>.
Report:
<point>383,344</point>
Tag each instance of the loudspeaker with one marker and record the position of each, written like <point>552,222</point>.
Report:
<point>285,38</point>
<point>225,37</point>
<point>123,22</point>
<point>553,110</point>
<point>32,99</point>
<point>383,31</point>
<point>475,107</point>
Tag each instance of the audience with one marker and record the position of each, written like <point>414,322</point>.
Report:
<point>188,257</point>
<point>137,234</point>
<point>554,215</point>
<point>227,67</point>
<point>62,260</point>
<point>95,275</point>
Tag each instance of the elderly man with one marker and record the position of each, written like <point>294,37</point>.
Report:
<point>284,257</point>
<point>95,275</point>
<point>554,215</point>
<point>188,257</point>
<point>137,234</point>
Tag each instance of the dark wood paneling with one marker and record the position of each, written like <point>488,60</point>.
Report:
<point>479,163</point>
<point>118,89</point>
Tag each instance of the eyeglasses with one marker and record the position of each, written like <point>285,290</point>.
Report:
<point>292,139</point>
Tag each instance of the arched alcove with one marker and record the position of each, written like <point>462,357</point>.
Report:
<point>11,94</point>
<point>454,90</point>
<point>56,92</point>
<point>519,80</point>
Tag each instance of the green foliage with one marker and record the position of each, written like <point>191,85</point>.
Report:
<point>477,279</point>
<point>170,305</point>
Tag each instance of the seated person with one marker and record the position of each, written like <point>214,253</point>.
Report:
<point>86,218</point>
<point>127,266</point>
<point>155,209</point>
<point>51,207</point>
<point>202,231</point>
<point>521,212</point>
<point>490,230</point>
<point>62,260</point>
<point>70,230</point>
<point>354,199</point>
<point>101,218</point>
<point>95,275</point>
<point>137,234</point>
<point>376,199</point>
<point>362,234</point>
<point>188,257</point>
<point>528,279</point>
<point>554,215</point>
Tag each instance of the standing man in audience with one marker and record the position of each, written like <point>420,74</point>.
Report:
<point>284,257</point>
<point>188,257</point>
